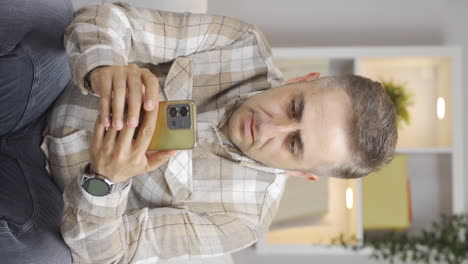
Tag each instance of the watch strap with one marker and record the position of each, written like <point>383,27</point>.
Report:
<point>117,187</point>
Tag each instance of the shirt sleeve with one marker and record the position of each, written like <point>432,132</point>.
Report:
<point>98,230</point>
<point>117,34</point>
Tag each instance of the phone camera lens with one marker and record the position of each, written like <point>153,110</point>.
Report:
<point>183,111</point>
<point>173,111</point>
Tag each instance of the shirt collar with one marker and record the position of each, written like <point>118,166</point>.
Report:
<point>235,153</point>
<point>178,174</point>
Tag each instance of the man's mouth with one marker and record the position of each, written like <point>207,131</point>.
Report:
<point>249,128</point>
<point>252,127</point>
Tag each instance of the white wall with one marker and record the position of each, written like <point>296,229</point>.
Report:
<point>342,22</point>
<point>363,22</point>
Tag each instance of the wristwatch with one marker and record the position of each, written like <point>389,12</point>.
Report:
<point>99,186</point>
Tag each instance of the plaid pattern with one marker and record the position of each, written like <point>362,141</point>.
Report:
<point>203,203</point>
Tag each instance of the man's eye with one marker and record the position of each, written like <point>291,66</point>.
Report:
<point>292,107</point>
<point>292,144</point>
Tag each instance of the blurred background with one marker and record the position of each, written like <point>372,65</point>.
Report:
<point>417,49</point>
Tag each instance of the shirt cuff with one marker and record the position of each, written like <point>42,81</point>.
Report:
<point>86,62</point>
<point>112,205</point>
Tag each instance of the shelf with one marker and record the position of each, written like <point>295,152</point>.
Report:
<point>421,151</point>
<point>263,249</point>
<point>321,224</point>
<point>427,79</point>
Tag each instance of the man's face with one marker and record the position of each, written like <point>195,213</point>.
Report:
<point>299,126</point>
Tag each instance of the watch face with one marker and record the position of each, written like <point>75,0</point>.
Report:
<point>96,187</point>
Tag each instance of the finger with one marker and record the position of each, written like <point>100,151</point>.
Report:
<point>103,87</point>
<point>151,86</point>
<point>98,133</point>
<point>119,89</point>
<point>125,137</point>
<point>110,136</point>
<point>156,159</point>
<point>134,99</point>
<point>146,130</point>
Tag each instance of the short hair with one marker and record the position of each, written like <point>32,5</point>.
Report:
<point>372,126</point>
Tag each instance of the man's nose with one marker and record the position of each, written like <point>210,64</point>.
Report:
<point>279,126</point>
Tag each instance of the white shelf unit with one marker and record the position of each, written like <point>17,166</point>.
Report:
<point>414,151</point>
<point>347,60</point>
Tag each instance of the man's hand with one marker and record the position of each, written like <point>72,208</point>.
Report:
<point>115,155</point>
<point>115,84</point>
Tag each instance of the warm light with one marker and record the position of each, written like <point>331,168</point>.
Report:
<point>349,198</point>
<point>440,108</point>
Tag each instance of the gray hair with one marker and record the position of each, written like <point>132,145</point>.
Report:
<point>372,127</point>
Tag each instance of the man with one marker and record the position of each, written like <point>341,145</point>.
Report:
<point>222,195</point>
<point>33,71</point>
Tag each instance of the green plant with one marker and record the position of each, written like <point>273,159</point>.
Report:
<point>400,97</point>
<point>445,242</point>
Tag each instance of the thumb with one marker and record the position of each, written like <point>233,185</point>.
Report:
<point>156,159</point>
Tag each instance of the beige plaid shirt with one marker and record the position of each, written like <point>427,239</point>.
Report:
<point>204,202</point>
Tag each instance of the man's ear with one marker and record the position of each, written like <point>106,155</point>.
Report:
<point>305,78</point>
<point>303,174</point>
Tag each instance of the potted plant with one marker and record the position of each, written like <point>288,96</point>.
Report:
<point>400,97</point>
<point>445,242</point>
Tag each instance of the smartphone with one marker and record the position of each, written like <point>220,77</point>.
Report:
<point>176,126</point>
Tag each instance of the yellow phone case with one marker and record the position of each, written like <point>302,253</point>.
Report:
<point>167,138</point>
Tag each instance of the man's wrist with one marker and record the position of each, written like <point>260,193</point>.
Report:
<point>87,80</point>
<point>102,181</point>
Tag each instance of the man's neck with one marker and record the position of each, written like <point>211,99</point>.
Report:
<point>225,130</point>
